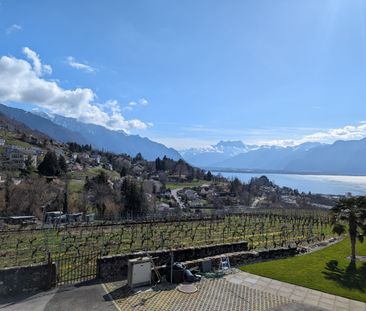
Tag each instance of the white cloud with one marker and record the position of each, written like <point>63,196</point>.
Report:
<point>143,101</point>
<point>38,67</point>
<point>185,143</point>
<point>13,28</point>
<point>22,82</point>
<point>80,66</point>
<point>140,102</point>
<point>282,136</point>
<point>348,132</point>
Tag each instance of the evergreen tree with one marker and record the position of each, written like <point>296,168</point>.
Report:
<point>65,203</point>
<point>102,178</point>
<point>49,166</point>
<point>123,171</point>
<point>158,164</point>
<point>87,183</point>
<point>133,197</point>
<point>7,194</point>
<point>208,176</point>
<point>137,158</point>
<point>62,164</point>
<point>235,186</point>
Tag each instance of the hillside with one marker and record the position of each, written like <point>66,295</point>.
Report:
<point>80,178</point>
<point>342,157</point>
<point>116,141</point>
<point>70,130</point>
<point>43,125</point>
<point>12,127</point>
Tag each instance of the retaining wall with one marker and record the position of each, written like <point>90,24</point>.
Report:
<point>26,279</point>
<point>115,267</point>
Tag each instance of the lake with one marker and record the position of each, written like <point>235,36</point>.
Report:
<point>325,184</point>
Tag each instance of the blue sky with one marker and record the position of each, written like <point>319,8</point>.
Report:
<point>191,73</point>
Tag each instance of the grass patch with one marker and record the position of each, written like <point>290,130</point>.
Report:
<point>177,185</point>
<point>327,270</point>
<point>76,186</point>
<point>17,142</point>
<point>94,171</point>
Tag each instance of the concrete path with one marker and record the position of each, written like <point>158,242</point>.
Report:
<point>36,302</point>
<point>299,294</point>
<point>88,296</point>
<point>177,198</point>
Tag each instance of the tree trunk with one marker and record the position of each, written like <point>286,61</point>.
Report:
<point>353,236</point>
<point>353,248</point>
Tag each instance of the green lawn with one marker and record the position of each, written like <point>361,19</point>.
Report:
<point>92,172</point>
<point>177,185</point>
<point>327,270</point>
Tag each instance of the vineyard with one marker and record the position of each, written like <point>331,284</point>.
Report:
<point>261,230</point>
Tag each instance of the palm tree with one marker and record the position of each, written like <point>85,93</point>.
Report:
<point>350,212</point>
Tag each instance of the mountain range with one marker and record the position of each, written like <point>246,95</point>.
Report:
<point>214,154</point>
<point>341,157</point>
<point>70,130</point>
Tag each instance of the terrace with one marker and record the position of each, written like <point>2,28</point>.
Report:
<point>235,292</point>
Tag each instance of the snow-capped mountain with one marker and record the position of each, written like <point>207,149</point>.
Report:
<point>215,153</point>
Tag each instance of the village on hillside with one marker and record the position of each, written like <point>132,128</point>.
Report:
<point>42,180</point>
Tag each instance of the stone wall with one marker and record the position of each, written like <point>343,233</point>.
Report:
<point>115,267</point>
<point>27,279</point>
<point>246,257</point>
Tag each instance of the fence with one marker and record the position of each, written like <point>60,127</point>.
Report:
<point>77,268</point>
<point>22,247</point>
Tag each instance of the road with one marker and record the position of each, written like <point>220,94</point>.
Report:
<point>177,198</point>
<point>88,296</point>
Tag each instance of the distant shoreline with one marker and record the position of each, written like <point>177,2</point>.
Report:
<point>280,172</point>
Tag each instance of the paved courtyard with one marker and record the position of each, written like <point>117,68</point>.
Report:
<point>237,291</point>
<point>212,295</point>
<point>296,293</point>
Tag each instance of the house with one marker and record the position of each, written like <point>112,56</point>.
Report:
<point>16,181</point>
<point>52,217</point>
<point>96,157</point>
<point>14,157</point>
<point>191,194</point>
<point>58,151</point>
<point>85,156</point>
<point>108,166</point>
<point>2,142</point>
<point>75,217</point>
<point>36,151</point>
<point>90,217</point>
<point>161,207</point>
<point>21,220</point>
<point>77,167</point>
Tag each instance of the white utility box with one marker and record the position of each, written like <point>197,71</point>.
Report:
<point>139,272</point>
